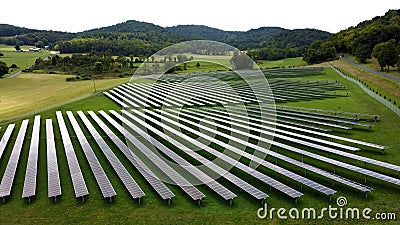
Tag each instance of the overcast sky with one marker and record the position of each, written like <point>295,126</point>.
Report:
<point>80,15</point>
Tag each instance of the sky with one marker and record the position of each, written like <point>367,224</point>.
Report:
<point>80,15</point>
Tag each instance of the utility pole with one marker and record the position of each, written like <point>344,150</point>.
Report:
<point>94,85</point>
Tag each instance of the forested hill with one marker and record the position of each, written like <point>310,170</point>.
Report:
<point>361,39</point>
<point>382,32</point>
<point>10,30</point>
<point>140,38</point>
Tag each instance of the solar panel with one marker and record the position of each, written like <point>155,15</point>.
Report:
<point>78,181</point>
<point>192,191</point>
<point>158,186</point>
<point>29,189</point>
<point>363,143</point>
<point>171,92</point>
<point>301,164</point>
<point>217,169</point>
<point>133,188</point>
<point>53,176</point>
<point>203,94</point>
<point>121,103</point>
<point>232,162</point>
<point>141,95</point>
<point>132,96</point>
<point>361,158</point>
<point>266,164</point>
<point>124,99</point>
<point>215,89</point>
<point>345,165</point>
<point>102,180</point>
<point>166,96</point>
<point>9,174</point>
<point>6,137</point>
<point>204,178</point>
<point>147,94</point>
<point>222,118</point>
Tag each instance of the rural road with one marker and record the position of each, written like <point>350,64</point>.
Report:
<point>15,74</point>
<point>371,70</point>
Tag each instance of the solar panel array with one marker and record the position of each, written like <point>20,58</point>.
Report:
<point>31,167</point>
<point>204,178</point>
<point>212,166</point>
<point>102,180</point>
<point>178,179</point>
<point>155,182</point>
<point>6,137</point>
<point>53,176</point>
<point>130,184</point>
<point>11,169</point>
<point>205,93</point>
<point>74,169</point>
<point>154,140</point>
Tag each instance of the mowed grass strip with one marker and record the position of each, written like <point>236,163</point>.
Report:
<point>386,87</point>
<point>31,92</point>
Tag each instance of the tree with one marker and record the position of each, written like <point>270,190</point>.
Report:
<point>17,47</point>
<point>241,61</point>
<point>363,52</point>
<point>320,52</point>
<point>1,54</point>
<point>386,53</point>
<point>3,68</point>
<point>13,66</point>
<point>98,66</point>
<point>39,44</point>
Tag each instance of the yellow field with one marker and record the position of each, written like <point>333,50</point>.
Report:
<point>28,93</point>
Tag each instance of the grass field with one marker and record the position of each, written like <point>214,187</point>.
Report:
<point>21,59</point>
<point>213,210</point>
<point>281,63</point>
<point>30,92</point>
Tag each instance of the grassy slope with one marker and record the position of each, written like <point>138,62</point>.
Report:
<point>213,210</point>
<point>282,63</point>
<point>29,92</point>
<point>385,86</point>
<point>21,59</point>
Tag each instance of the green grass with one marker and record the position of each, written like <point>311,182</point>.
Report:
<point>281,63</point>
<point>21,59</point>
<point>213,210</point>
<point>31,92</point>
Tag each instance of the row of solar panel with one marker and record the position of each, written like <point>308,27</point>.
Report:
<point>138,123</point>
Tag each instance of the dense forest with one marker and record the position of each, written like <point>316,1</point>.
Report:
<point>143,39</point>
<point>378,37</point>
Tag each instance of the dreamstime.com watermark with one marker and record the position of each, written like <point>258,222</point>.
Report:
<point>332,212</point>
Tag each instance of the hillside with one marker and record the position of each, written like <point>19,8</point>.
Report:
<point>361,39</point>
<point>141,38</point>
<point>10,30</point>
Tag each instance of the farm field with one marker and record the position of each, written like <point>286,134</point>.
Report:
<point>30,92</point>
<point>21,59</point>
<point>213,209</point>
